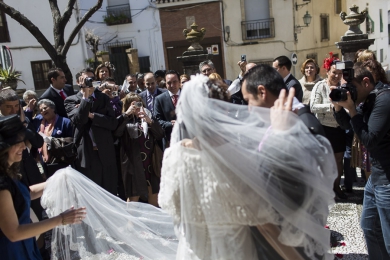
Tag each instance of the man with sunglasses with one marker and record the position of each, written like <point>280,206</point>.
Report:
<point>207,67</point>
<point>94,120</point>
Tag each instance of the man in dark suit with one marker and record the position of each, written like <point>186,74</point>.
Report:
<point>58,90</point>
<point>165,104</point>
<point>151,92</point>
<point>94,119</point>
<point>282,64</point>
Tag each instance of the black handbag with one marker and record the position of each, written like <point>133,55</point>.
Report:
<point>62,150</point>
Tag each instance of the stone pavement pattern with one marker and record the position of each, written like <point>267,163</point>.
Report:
<point>344,222</point>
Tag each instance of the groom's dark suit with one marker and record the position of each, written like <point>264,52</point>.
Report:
<point>52,95</point>
<point>164,111</point>
<point>96,161</point>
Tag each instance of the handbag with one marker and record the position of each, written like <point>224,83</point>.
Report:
<point>62,150</point>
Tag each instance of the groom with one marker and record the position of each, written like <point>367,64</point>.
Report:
<point>262,86</point>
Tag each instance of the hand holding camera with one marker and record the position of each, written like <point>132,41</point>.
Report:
<point>133,108</point>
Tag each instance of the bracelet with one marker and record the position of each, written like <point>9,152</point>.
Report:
<point>63,220</point>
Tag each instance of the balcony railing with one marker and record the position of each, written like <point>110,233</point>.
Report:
<point>118,14</point>
<point>258,29</point>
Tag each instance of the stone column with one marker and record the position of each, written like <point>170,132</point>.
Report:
<point>132,55</point>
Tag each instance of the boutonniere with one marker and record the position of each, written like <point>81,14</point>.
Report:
<point>59,132</point>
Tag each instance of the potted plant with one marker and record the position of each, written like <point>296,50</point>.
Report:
<point>10,77</point>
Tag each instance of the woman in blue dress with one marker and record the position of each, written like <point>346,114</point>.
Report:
<point>17,233</point>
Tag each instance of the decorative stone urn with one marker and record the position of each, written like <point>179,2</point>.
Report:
<point>354,19</point>
<point>194,36</point>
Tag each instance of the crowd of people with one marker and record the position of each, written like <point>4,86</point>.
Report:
<point>204,149</point>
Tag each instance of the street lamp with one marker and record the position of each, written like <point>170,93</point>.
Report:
<point>306,20</point>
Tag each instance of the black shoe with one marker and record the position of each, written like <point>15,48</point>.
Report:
<point>339,193</point>
<point>349,190</point>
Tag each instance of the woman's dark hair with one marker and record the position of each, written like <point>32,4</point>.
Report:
<point>12,171</point>
<point>98,68</point>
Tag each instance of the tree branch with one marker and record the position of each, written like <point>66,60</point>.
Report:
<point>34,30</point>
<point>68,13</point>
<point>80,24</point>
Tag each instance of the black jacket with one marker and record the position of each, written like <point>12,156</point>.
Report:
<point>51,94</point>
<point>372,126</point>
<point>293,82</point>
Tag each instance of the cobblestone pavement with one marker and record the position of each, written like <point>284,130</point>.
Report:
<point>344,222</point>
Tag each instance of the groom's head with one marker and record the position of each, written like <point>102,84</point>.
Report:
<point>261,86</point>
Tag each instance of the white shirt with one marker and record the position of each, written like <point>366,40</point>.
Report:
<point>58,91</point>
<point>171,94</point>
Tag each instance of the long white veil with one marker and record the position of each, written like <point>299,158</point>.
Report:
<point>112,229</point>
<point>252,169</point>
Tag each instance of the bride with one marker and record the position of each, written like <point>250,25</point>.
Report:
<point>244,184</point>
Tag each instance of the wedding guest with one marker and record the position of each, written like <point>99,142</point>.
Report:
<point>138,133</point>
<point>310,70</point>
<point>376,70</point>
<point>17,235</point>
<point>109,88</point>
<point>183,79</point>
<point>50,124</point>
<point>215,76</point>
<point>159,75</point>
<point>321,105</point>
<point>30,98</point>
<point>140,82</point>
<point>366,55</point>
<point>102,72</point>
<point>94,120</point>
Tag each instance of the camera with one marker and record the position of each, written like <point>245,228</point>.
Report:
<point>340,94</point>
<point>88,82</point>
<point>243,57</point>
<point>114,93</point>
<point>138,104</point>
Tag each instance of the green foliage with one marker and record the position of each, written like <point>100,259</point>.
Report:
<point>112,19</point>
<point>10,76</point>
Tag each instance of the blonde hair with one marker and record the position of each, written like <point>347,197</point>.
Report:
<point>366,55</point>
<point>215,76</point>
<point>306,62</point>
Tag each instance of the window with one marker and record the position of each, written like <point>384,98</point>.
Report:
<point>338,6</point>
<point>381,55</point>
<point>324,21</point>
<point>39,70</point>
<point>4,34</point>
<point>312,56</point>
<point>380,21</point>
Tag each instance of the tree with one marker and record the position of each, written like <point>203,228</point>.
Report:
<point>60,49</point>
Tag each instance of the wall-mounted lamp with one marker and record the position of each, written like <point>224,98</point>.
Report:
<point>227,30</point>
<point>297,6</point>
<point>306,20</point>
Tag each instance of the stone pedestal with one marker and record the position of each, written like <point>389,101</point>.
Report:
<point>132,57</point>
<point>191,60</point>
<point>350,44</point>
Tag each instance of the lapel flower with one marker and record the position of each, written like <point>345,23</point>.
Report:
<point>59,132</point>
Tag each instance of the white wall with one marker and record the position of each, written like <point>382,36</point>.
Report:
<point>25,48</point>
<point>144,31</point>
<point>381,38</point>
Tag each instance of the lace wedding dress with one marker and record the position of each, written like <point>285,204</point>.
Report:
<point>251,168</point>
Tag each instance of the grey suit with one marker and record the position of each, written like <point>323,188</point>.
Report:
<point>96,162</point>
<point>52,95</point>
<point>144,96</point>
<point>164,111</point>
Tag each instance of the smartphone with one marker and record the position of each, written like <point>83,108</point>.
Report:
<point>243,57</point>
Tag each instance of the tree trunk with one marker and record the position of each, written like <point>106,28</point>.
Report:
<point>60,62</point>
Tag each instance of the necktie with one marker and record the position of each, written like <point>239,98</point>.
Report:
<point>62,95</point>
<point>149,101</point>
<point>174,99</point>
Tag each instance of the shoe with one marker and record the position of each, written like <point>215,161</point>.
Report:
<point>349,190</point>
<point>339,193</point>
